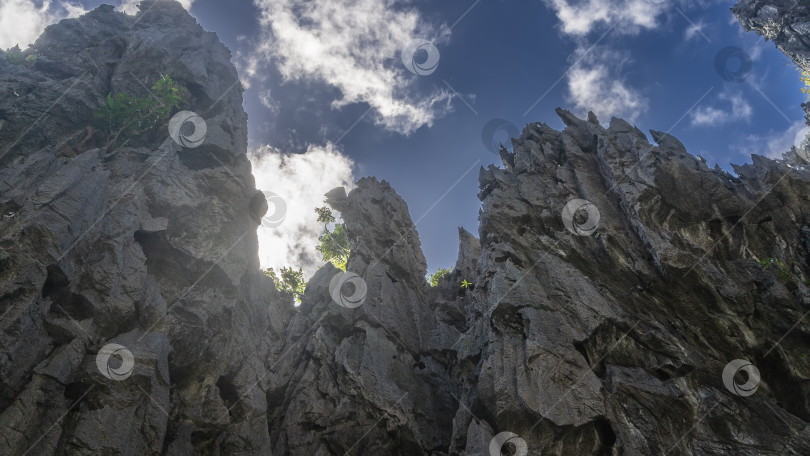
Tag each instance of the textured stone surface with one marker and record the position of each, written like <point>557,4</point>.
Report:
<point>151,246</point>
<point>786,23</point>
<point>614,343</point>
<point>609,341</point>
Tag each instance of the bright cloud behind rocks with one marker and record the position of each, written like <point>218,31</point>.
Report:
<point>595,80</point>
<point>22,21</point>
<point>353,46</point>
<point>301,180</point>
<point>775,143</point>
<point>131,6</point>
<point>595,83</point>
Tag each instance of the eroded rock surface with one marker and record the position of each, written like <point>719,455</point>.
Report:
<point>151,246</point>
<point>602,329</point>
<point>579,341</point>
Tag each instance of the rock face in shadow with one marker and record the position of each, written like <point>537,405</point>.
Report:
<point>612,283</point>
<point>151,246</point>
<point>603,330</point>
<point>611,338</point>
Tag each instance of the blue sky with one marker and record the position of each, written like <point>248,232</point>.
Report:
<point>327,83</point>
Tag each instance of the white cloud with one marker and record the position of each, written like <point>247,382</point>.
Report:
<point>352,45</point>
<point>580,17</point>
<point>695,30</point>
<point>267,101</point>
<point>22,21</point>
<point>131,6</point>
<point>629,17</point>
<point>738,109</point>
<point>301,181</point>
<point>595,84</point>
<point>596,81</point>
<point>775,143</point>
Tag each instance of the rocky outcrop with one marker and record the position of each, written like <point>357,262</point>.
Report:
<point>611,328</point>
<point>786,23</point>
<point>151,247</point>
<point>612,337</point>
<point>621,298</point>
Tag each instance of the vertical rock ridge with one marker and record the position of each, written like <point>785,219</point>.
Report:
<point>150,246</point>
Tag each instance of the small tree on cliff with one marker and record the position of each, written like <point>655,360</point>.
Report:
<point>434,278</point>
<point>124,117</point>
<point>290,282</point>
<point>333,245</point>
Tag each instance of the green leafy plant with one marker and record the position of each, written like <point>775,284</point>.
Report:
<point>782,269</point>
<point>465,284</point>
<point>125,117</point>
<point>290,282</point>
<point>333,245</point>
<point>434,278</point>
<point>14,56</point>
<point>325,214</point>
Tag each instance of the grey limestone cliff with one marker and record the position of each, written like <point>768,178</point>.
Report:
<point>613,281</point>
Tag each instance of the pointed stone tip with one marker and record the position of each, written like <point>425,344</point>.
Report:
<point>336,194</point>
<point>620,125</point>
<point>508,158</point>
<point>463,233</point>
<point>668,142</point>
<point>760,161</point>
<point>567,117</point>
<point>659,136</point>
<point>592,118</point>
<point>337,199</point>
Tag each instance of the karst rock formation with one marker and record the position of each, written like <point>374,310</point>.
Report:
<point>572,337</point>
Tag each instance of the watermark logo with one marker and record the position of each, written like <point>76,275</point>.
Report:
<point>420,57</point>
<point>497,132</point>
<point>580,217</point>
<point>348,289</point>
<point>188,129</point>
<point>733,64</point>
<point>746,368</point>
<point>276,210</point>
<point>508,443</point>
<point>124,370</point>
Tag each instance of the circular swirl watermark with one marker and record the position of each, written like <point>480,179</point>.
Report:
<point>508,443</point>
<point>580,217</point>
<point>276,203</point>
<point>339,285</point>
<point>121,372</point>
<point>732,369</point>
<point>180,122</point>
<point>491,138</point>
<point>420,57</point>
<point>733,64</point>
